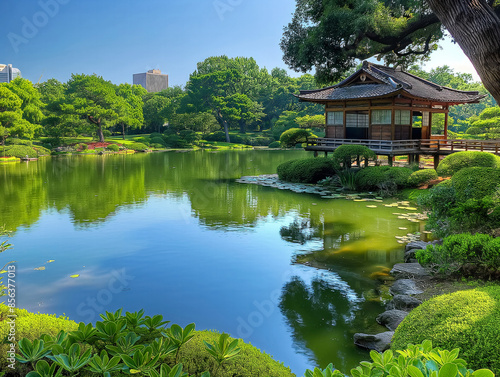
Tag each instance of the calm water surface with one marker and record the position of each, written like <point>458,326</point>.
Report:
<point>173,233</point>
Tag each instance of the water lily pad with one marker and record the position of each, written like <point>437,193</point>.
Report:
<point>410,209</point>
<point>39,268</point>
<point>74,276</point>
<point>402,228</point>
<point>371,206</point>
<point>50,261</point>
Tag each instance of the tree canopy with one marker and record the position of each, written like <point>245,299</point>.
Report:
<point>330,35</point>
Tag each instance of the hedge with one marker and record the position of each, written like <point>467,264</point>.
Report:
<point>307,170</point>
<point>476,182</point>
<point>457,161</point>
<point>469,320</point>
<point>376,177</point>
<point>420,177</point>
<point>137,146</point>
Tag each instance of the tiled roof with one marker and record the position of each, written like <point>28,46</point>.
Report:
<point>391,81</point>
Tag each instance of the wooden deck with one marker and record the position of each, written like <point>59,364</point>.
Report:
<point>403,147</point>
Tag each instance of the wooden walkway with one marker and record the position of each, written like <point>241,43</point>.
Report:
<point>403,147</point>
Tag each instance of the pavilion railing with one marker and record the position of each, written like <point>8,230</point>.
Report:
<point>400,146</point>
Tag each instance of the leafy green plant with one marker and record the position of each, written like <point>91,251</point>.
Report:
<point>137,146</point>
<point>347,179</point>
<point>43,369</point>
<point>345,155</point>
<point>72,359</point>
<point>30,352</point>
<point>113,147</point>
<point>293,136</point>
<point>328,372</point>
<point>125,345</point>
<point>307,170</point>
<point>84,334</point>
<point>103,365</point>
<point>143,361</point>
<point>180,336</point>
<point>222,350</point>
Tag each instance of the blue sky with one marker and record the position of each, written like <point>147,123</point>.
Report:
<point>117,38</point>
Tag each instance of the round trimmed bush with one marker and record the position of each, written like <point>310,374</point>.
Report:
<point>137,146</point>
<point>469,320</point>
<point>141,139</point>
<point>476,182</point>
<point>457,161</point>
<point>113,147</point>
<point>157,140</point>
<point>420,177</point>
<point>275,144</point>
<point>307,170</point>
<point>20,151</point>
<point>346,154</point>
<point>250,361</point>
<point>376,177</point>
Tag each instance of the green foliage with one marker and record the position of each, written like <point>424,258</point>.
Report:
<point>383,178</point>
<point>476,255</point>
<point>112,147</point>
<point>476,182</point>
<point>43,369</point>
<point>275,144</point>
<point>348,179</point>
<point>137,146</point>
<point>457,161</point>
<point>157,140</point>
<point>223,350</point>
<point>347,154</point>
<point>420,177</point>
<point>21,151</point>
<point>468,320</point>
<point>308,170</point>
<point>293,136</point>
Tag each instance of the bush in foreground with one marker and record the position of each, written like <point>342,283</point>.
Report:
<point>21,151</point>
<point>421,177</point>
<point>293,136</point>
<point>457,161</point>
<point>469,320</point>
<point>307,170</point>
<point>137,146</point>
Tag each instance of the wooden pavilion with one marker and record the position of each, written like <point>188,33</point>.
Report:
<point>391,112</point>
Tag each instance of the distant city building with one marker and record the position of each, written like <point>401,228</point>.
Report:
<point>153,80</point>
<point>7,73</point>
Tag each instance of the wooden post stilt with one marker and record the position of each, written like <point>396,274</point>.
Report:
<point>389,160</point>
<point>436,161</point>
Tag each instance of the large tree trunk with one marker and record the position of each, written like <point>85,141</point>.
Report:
<point>123,131</point>
<point>476,28</point>
<point>226,130</point>
<point>99,132</point>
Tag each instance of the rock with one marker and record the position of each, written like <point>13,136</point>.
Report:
<point>416,245</point>
<point>408,270</point>
<point>403,302</point>
<point>404,287</point>
<point>378,342</point>
<point>410,256</point>
<point>391,318</point>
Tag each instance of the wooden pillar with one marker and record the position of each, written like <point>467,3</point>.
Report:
<point>358,161</point>
<point>430,124</point>
<point>366,162</point>
<point>411,158</point>
<point>393,124</point>
<point>446,125</point>
<point>389,160</point>
<point>326,154</point>
<point>436,161</point>
<point>315,153</point>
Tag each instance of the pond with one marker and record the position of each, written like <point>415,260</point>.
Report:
<point>173,233</point>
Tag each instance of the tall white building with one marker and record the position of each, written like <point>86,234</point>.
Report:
<point>7,73</point>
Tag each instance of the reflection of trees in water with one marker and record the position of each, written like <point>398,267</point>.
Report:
<point>320,316</point>
<point>301,230</point>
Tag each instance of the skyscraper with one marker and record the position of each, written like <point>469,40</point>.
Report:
<point>7,73</point>
<point>152,81</point>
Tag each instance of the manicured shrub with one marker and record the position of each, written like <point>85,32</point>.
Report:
<point>141,139</point>
<point>457,161</point>
<point>275,144</point>
<point>469,320</point>
<point>383,178</point>
<point>347,154</point>
<point>113,147</point>
<point>420,177</point>
<point>250,361</point>
<point>16,141</point>
<point>157,140</point>
<point>137,146</point>
<point>308,170</point>
<point>20,151</point>
<point>470,255</point>
<point>293,136</point>
<point>216,136</point>
<point>476,182</point>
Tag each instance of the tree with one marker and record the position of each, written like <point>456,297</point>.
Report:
<point>330,35</point>
<point>131,112</point>
<point>487,123</point>
<point>155,115</point>
<point>94,99</point>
